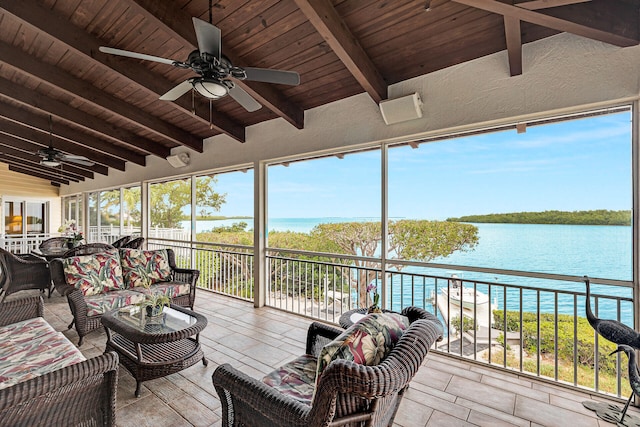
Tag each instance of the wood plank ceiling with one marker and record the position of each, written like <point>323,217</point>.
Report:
<point>57,89</point>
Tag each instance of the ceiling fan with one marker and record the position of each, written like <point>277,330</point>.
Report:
<point>53,158</point>
<point>214,69</point>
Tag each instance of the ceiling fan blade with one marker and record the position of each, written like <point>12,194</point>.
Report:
<point>137,55</point>
<point>177,91</point>
<point>272,76</point>
<point>81,160</point>
<point>209,37</point>
<point>244,99</point>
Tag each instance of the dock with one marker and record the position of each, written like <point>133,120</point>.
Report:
<point>483,314</point>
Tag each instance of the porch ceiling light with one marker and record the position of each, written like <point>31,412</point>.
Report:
<point>210,88</point>
<point>50,163</point>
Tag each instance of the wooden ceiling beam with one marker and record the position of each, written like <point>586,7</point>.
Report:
<point>84,44</point>
<point>8,158</point>
<point>180,26</point>
<point>34,159</point>
<point>78,88</point>
<point>46,125</point>
<point>45,105</point>
<point>322,15</point>
<point>545,4</point>
<point>552,22</point>
<point>36,173</point>
<point>514,44</point>
<point>39,137</point>
<point>31,148</point>
<point>42,19</point>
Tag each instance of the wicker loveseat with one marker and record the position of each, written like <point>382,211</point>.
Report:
<point>345,392</point>
<point>44,380</point>
<point>104,281</point>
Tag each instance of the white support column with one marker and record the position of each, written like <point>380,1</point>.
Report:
<point>259,234</point>
<point>194,207</point>
<point>121,231</point>
<point>635,188</point>
<point>144,209</point>
<point>384,218</point>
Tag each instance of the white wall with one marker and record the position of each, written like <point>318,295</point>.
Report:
<point>561,74</point>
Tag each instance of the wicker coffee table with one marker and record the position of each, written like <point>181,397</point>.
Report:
<point>154,347</point>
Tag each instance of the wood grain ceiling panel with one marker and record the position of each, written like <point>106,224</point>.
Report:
<point>50,64</point>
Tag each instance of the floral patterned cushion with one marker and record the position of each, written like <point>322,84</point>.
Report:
<point>94,274</point>
<point>44,351</point>
<point>170,289</point>
<point>25,330</point>
<point>367,341</point>
<point>100,304</point>
<point>141,268</point>
<point>295,379</point>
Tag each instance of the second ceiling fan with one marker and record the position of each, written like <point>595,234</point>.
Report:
<point>214,69</point>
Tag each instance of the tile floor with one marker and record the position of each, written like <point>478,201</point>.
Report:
<point>445,392</point>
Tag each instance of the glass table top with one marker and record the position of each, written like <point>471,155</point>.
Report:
<point>169,321</point>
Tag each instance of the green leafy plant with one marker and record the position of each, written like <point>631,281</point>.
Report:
<point>154,301</point>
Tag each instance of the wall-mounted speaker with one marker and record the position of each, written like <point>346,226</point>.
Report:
<point>401,109</point>
<point>179,160</point>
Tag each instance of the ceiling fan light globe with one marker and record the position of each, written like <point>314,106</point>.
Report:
<point>210,88</point>
<point>50,163</point>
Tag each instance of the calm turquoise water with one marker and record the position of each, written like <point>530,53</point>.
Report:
<point>596,251</point>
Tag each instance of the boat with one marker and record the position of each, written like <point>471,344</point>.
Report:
<point>457,293</point>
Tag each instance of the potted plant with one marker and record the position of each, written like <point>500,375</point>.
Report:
<point>70,231</point>
<point>154,303</point>
<point>375,298</point>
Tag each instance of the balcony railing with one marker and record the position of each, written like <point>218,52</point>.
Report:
<point>538,318</point>
<point>227,269</point>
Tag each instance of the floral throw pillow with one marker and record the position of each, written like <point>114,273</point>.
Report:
<point>94,274</point>
<point>366,342</point>
<point>144,268</point>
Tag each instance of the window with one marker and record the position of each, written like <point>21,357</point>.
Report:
<point>224,202</point>
<point>310,194</point>
<point>13,217</point>
<point>25,217</point>
<point>36,214</point>
<point>573,166</point>
<point>170,209</point>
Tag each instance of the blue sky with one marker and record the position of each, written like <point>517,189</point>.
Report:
<point>572,165</point>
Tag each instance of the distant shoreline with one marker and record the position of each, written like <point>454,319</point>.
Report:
<point>595,217</point>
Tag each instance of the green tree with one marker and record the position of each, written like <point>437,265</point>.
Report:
<point>418,240</point>
<point>168,199</point>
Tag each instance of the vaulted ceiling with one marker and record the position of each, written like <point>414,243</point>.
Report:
<point>57,89</point>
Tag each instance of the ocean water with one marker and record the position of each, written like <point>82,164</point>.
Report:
<point>577,250</point>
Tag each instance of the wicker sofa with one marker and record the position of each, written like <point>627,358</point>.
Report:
<point>44,379</point>
<point>334,383</point>
<point>89,297</point>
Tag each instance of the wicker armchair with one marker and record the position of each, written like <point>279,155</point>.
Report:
<point>121,241</point>
<point>347,394</point>
<point>134,244</point>
<point>23,272</point>
<point>88,249</point>
<point>85,323</point>
<point>54,242</point>
<point>79,394</point>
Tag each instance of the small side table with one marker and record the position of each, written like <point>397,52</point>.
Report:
<point>350,317</point>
